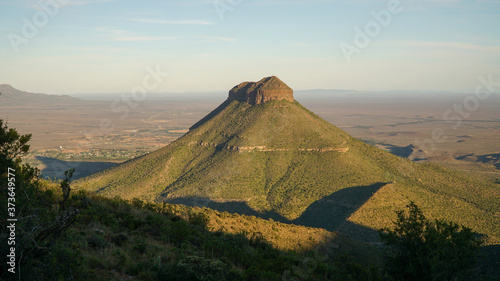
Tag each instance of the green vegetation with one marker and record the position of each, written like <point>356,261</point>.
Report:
<point>64,236</point>
<point>60,236</point>
<point>35,218</point>
<point>93,154</point>
<point>280,158</point>
<point>421,249</point>
<point>114,240</point>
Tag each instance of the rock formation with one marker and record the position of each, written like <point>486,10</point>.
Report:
<point>269,88</point>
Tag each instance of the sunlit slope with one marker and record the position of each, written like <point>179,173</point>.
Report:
<point>280,158</point>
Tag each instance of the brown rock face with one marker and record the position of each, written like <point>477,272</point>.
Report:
<point>269,88</point>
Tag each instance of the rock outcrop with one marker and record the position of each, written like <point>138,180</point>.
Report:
<point>269,88</point>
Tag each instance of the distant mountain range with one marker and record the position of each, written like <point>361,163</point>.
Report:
<point>11,96</point>
<point>276,159</point>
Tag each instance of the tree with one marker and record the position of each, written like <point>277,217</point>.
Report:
<point>420,249</point>
<point>37,214</point>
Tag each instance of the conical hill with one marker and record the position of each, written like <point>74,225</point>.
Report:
<point>277,159</point>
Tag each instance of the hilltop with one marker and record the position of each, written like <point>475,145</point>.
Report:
<point>11,96</point>
<point>273,158</point>
<point>267,89</point>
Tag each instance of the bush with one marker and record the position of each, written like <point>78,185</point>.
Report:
<point>179,231</point>
<point>140,245</point>
<point>198,218</point>
<point>346,269</point>
<point>195,268</point>
<point>97,242</point>
<point>420,249</point>
<point>119,239</point>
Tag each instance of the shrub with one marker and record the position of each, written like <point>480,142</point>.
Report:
<point>140,245</point>
<point>199,218</point>
<point>43,215</point>
<point>420,249</point>
<point>119,239</point>
<point>179,231</point>
<point>195,268</point>
<point>97,242</point>
<point>131,222</point>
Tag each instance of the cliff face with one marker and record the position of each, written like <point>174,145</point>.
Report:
<point>269,88</point>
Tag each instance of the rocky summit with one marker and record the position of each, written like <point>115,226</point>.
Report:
<point>269,88</point>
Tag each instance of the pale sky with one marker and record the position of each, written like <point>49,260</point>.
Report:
<point>101,46</point>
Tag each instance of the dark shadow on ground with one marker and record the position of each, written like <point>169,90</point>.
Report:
<point>330,212</point>
<point>230,207</point>
<point>465,157</point>
<point>493,159</point>
<point>489,262</point>
<point>55,168</point>
<point>401,151</point>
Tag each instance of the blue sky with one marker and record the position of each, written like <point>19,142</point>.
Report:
<point>100,46</point>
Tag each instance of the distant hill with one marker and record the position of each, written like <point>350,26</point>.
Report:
<point>11,96</point>
<point>276,159</point>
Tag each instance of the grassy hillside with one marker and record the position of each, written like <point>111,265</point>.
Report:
<point>282,161</point>
<point>65,236</point>
<point>113,239</point>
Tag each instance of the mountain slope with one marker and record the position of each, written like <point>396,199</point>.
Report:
<point>11,96</point>
<point>277,159</point>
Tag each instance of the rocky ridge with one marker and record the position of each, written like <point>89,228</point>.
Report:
<point>269,88</point>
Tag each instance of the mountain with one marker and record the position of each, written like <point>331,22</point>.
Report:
<point>262,153</point>
<point>11,96</point>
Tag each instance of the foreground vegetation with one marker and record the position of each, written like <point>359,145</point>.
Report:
<point>60,236</point>
<point>421,249</point>
<point>112,239</point>
<point>66,236</point>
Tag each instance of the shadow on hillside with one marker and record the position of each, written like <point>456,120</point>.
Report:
<point>489,261</point>
<point>401,151</point>
<point>330,212</point>
<point>230,207</point>
<point>55,168</point>
<point>493,159</point>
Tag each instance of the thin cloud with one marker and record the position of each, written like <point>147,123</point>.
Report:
<point>142,38</point>
<point>164,38</point>
<point>87,2</point>
<point>126,36</point>
<point>120,35</point>
<point>174,22</point>
<point>307,45</point>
